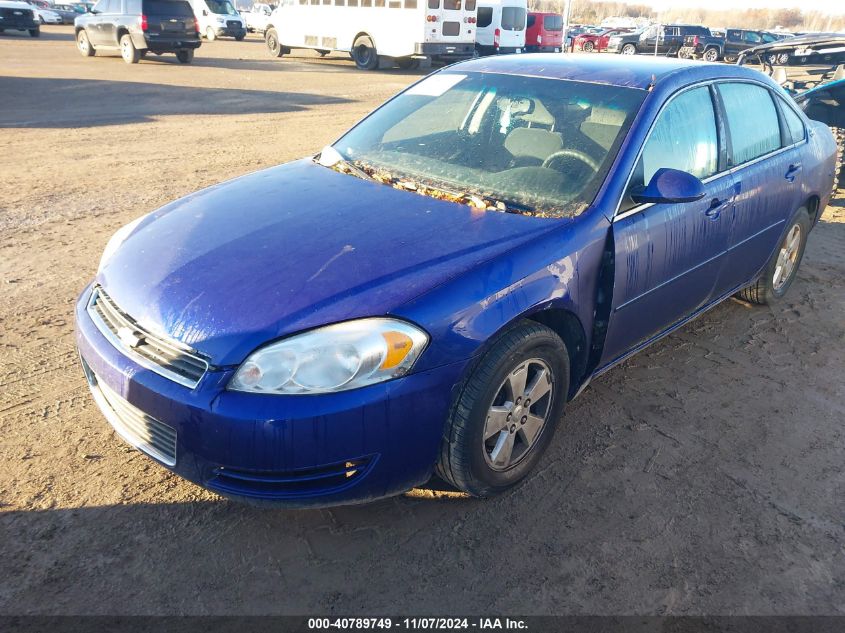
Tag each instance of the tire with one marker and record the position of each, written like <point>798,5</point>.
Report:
<point>240,38</point>
<point>407,63</point>
<point>629,49</point>
<point>35,32</point>
<point>711,54</point>
<point>210,35</point>
<point>364,53</point>
<point>589,47</point>
<point>323,53</point>
<point>128,51</point>
<point>83,44</point>
<point>484,466</point>
<point>274,47</point>
<point>731,59</point>
<point>782,268</point>
<point>782,59</point>
<point>185,56</point>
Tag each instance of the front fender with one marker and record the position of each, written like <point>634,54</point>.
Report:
<point>559,270</point>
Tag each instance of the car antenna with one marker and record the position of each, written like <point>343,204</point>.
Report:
<point>653,81</point>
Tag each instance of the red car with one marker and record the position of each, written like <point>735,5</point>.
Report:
<point>544,32</point>
<point>592,42</point>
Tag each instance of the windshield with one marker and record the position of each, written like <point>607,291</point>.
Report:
<point>553,23</point>
<point>513,18</point>
<point>541,145</point>
<point>221,7</point>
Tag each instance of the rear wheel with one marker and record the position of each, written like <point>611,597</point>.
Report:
<point>711,54</point>
<point>210,35</point>
<point>731,59</point>
<point>185,56</point>
<point>239,38</point>
<point>629,49</point>
<point>782,269</point>
<point>128,51</point>
<point>274,47</point>
<point>506,412</point>
<point>35,32</point>
<point>323,53</point>
<point>364,53</point>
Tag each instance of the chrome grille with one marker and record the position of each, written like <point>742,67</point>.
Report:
<point>165,357</point>
<point>142,431</point>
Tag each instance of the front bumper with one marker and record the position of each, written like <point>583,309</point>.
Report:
<point>227,31</point>
<point>295,451</point>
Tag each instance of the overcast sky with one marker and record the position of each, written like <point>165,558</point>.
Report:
<point>825,6</point>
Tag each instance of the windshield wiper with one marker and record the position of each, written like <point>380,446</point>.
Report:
<point>333,159</point>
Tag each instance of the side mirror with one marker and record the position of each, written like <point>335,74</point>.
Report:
<point>670,186</point>
<point>204,12</point>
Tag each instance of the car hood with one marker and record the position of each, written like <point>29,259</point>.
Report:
<point>293,247</point>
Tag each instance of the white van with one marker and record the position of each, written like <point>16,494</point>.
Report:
<point>501,26</point>
<point>217,18</point>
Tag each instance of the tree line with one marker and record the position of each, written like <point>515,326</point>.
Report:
<point>593,12</point>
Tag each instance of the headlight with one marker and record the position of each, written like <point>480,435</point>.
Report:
<point>221,20</point>
<point>116,240</point>
<point>333,358</point>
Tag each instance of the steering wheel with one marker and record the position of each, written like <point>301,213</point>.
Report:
<point>571,153</point>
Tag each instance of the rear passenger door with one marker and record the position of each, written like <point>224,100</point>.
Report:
<point>109,25</point>
<point>763,144</point>
<point>95,26</point>
<point>733,42</point>
<point>668,256</point>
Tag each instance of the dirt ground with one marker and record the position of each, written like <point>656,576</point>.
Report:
<point>704,476</point>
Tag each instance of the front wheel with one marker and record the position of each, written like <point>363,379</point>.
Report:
<point>83,44</point>
<point>240,38</point>
<point>589,47</point>
<point>185,56</point>
<point>506,412</point>
<point>128,51</point>
<point>629,49</point>
<point>364,53</point>
<point>274,47</point>
<point>782,269</point>
<point>210,35</point>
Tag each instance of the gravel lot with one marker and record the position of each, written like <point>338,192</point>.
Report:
<point>704,476</point>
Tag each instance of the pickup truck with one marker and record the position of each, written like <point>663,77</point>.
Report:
<point>712,48</point>
<point>668,39</point>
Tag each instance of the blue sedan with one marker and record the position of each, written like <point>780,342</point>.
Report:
<point>426,294</point>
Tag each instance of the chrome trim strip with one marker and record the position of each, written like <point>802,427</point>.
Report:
<point>139,433</point>
<point>137,358</point>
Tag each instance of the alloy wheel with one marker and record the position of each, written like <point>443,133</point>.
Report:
<point>518,414</point>
<point>787,258</point>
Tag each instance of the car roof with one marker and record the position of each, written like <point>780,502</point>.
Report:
<point>615,70</point>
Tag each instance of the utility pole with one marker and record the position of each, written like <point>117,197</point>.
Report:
<point>567,10</point>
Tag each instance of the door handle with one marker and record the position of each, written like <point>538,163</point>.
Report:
<point>794,170</point>
<point>716,207</point>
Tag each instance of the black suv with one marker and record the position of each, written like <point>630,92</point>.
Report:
<point>137,26</point>
<point>727,47</point>
<point>18,16</point>
<point>666,38</point>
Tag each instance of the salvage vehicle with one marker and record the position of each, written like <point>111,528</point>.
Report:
<point>18,16</point>
<point>827,49</point>
<point>427,293</point>
<point>596,42</point>
<point>136,27</point>
<point>660,39</point>
<point>825,102</point>
<point>725,46</point>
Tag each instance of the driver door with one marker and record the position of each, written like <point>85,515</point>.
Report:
<point>668,256</point>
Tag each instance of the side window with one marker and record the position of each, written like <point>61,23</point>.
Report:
<point>103,6</point>
<point>794,125</point>
<point>532,19</point>
<point>433,4</point>
<point>751,136</point>
<point>683,137</point>
<point>485,17</point>
<point>752,37</point>
<point>734,35</point>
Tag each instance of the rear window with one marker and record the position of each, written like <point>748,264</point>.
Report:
<point>553,23</point>
<point>513,18</point>
<point>167,7</point>
<point>485,17</point>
